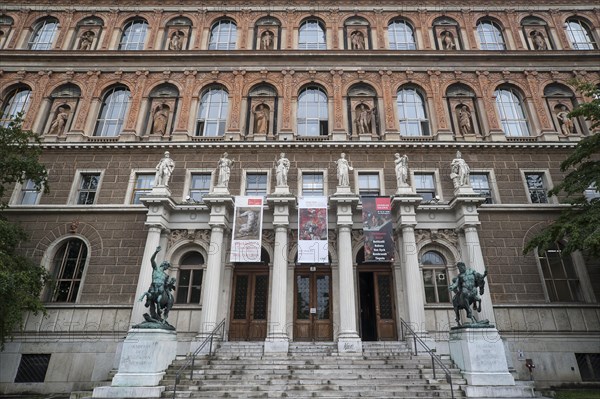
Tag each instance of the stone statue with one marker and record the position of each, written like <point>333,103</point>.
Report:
<point>159,298</point>
<point>401,169</point>
<point>164,170</point>
<point>342,170</point>
<point>566,124</point>
<point>60,121</point>
<point>175,43</point>
<point>281,171</point>
<point>160,118</point>
<point>467,288</point>
<point>224,168</point>
<point>86,39</point>
<point>363,119</point>
<point>448,41</point>
<point>539,43</point>
<point>261,119</point>
<point>464,120</point>
<point>357,40</point>
<point>267,40</point>
<point>459,171</point>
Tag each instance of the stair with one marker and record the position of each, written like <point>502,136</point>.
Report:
<point>313,370</point>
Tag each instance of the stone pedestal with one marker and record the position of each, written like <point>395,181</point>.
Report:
<point>282,190</point>
<point>479,352</point>
<point>285,136</point>
<point>145,356</point>
<point>162,191</point>
<point>405,190</point>
<point>343,190</point>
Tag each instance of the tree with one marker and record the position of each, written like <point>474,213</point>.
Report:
<point>21,279</point>
<point>578,226</point>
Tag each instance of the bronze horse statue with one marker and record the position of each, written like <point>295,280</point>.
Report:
<point>467,288</point>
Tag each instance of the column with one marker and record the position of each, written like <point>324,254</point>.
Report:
<point>413,280</point>
<point>475,259</point>
<point>145,276</point>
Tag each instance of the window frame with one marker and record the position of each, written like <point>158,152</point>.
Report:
<point>103,124</point>
<point>247,172</point>
<point>33,43</point>
<point>301,172</point>
<point>51,292</point>
<point>423,123</point>
<point>585,29</point>
<point>130,45</point>
<point>492,182</point>
<point>131,187</point>
<point>223,108</point>
<point>321,106</point>
<point>547,181</point>
<point>308,45</point>
<point>180,268</point>
<point>436,182</point>
<point>215,31</point>
<point>445,267</point>
<point>401,33</point>
<point>11,107</point>
<point>505,122</point>
<point>187,187</point>
<point>17,196</point>
<point>369,172</point>
<point>498,32</point>
<point>78,180</point>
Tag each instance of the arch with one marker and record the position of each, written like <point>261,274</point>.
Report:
<point>558,90</point>
<point>411,104</point>
<point>213,110</point>
<point>459,89</point>
<point>111,116</point>
<point>580,33</point>
<point>262,109</point>
<point>223,34</point>
<point>66,90</point>
<point>312,34</point>
<point>490,33</point>
<point>133,36</point>
<point>512,113</point>
<point>177,32</point>
<point>361,89</point>
<point>267,33</point>
<point>15,100</point>
<point>262,90</point>
<point>170,88</point>
<point>401,34</point>
<point>43,34</point>
<point>6,24</point>
<point>312,120</point>
<point>447,34</point>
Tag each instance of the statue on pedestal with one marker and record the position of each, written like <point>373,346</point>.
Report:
<point>159,298</point>
<point>224,168</point>
<point>566,124</point>
<point>467,288</point>
<point>164,170</point>
<point>342,170</point>
<point>85,40</point>
<point>401,169</point>
<point>281,171</point>
<point>58,124</point>
<point>460,171</point>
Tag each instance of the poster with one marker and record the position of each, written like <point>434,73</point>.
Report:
<point>247,228</point>
<point>377,227</point>
<point>312,230</point>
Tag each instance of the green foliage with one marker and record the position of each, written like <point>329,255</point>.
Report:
<point>21,281</point>
<point>581,394</point>
<point>581,223</point>
<point>19,159</point>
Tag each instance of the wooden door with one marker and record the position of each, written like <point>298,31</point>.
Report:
<point>384,306</point>
<point>312,305</point>
<point>249,305</point>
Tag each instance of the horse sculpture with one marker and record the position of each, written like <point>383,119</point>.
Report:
<point>467,287</point>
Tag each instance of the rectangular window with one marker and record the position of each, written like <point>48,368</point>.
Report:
<point>32,368</point>
<point>88,187</point>
<point>425,185</point>
<point>368,184</point>
<point>481,185</point>
<point>589,366</point>
<point>537,187</point>
<point>560,278</point>
<point>143,187</point>
<point>312,184</point>
<point>435,282</point>
<point>591,192</point>
<point>29,194</point>
<point>199,186</point>
<point>256,184</point>
<point>189,286</point>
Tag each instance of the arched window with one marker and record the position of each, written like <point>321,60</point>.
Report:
<point>212,112</point>
<point>189,281</point>
<point>560,278</point>
<point>412,112</point>
<point>15,102</point>
<point>223,35</point>
<point>435,277</point>
<point>112,113</point>
<point>579,35</point>
<point>312,112</point>
<point>311,35</point>
<point>134,35</point>
<point>490,35</point>
<point>6,23</point>
<point>512,114</point>
<point>67,270</point>
<point>43,34</point>
<point>401,35</point>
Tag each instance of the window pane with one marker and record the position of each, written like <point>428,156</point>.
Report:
<point>112,113</point>
<point>223,36</point>
<point>579,35</point>
<point>368,184</point>
<point>256,184</point>
<point>512,115</point>
<point>490,36</point>
<point>311,36</point>
<point>400,35</point>
<point>199,186</point>
<point>134,35</point>
<point>43,36</point>
<point>411,110</point>
<point>312,184</point>
<point>537,189</point>
<point>212,112</point>
<point>481,185</point>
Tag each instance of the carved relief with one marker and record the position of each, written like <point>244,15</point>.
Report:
<point>434,235</point>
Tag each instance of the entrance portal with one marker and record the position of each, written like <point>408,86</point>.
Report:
<point>377,308</point>
<point>312,305</point>
<point>249,305</point>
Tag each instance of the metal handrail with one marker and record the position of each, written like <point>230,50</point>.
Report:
<point>434,358</point>
<point>207,341</point>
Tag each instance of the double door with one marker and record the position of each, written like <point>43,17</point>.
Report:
<point>377,305</point>
<point>312,304</point>
<point>249,305</point>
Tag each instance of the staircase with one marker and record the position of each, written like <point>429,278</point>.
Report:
<point>385,370</point>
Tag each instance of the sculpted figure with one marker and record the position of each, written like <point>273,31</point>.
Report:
<point>401,169</point>
<point>539,43</point>
<point>467,288</point>
<point>86,39</point>
<point>267,40</point>
<point>566,124</point>
<point>159,297</point>
<point>363,119</point>
<point>224,167</point>
<point>161,115</point>
<point>164,170</point>
<point>342,170</point>
<point>357,40</point>
<point>261,119</point>
<point>459,171</point>
<point>175,43</point>
<point>448,41</point>
<point>60,121</point>
<point>464,120</point>
<point>250,227</point>
<point>281,171</point>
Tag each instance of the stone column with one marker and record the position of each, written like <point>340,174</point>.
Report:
<point>277,341</point>
<point>145,276</point>
<point>348,339</point>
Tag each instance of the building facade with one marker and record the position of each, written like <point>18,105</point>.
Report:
<point>111,88</point>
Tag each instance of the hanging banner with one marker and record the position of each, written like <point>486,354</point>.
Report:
<point>247,228</point>
<point>312,230</point>
<point>377,227</point>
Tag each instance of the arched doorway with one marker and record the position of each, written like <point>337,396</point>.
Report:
<point>376,300</point>
<point>249,305</point>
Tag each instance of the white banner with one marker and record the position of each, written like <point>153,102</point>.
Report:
<point>312,230</point>
<point>247,229</point>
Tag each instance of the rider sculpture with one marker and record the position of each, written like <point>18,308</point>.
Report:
<point>467,288</point>
<point>159,298</point>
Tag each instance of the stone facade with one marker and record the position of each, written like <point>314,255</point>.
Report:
<point>77,78</point>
